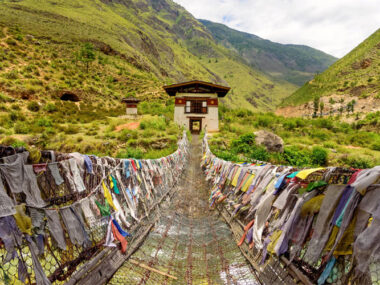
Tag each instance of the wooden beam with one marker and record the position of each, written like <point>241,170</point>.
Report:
<point>142,265</point>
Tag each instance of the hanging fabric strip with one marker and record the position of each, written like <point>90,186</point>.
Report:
<point>53,167</point>
<point>55,228</point>
<point>7,207</point>
<point>108,196</point>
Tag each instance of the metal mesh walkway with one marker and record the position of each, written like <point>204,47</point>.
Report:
<point>189,244</point>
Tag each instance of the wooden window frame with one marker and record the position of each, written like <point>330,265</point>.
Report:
<point>196,107</point>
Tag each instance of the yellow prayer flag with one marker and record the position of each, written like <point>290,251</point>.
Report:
<point>236,177</point>
<point>247,183</point>
<point>108,196</point>
<point>303,174</point>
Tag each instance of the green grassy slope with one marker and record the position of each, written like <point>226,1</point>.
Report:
<point>142,44</point>
<point>307,141</point>
<point>293,63</point>
<point>355,75</point>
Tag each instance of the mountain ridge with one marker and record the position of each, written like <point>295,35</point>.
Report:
<point>293,63</point>
<point>159,40</point>
<point>352,78</point>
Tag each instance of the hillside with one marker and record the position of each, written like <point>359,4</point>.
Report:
<point>293,63</point>
<point>354,77</point>
<point>141,45</point>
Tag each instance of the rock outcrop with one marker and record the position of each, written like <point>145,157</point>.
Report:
<point>271,141</point>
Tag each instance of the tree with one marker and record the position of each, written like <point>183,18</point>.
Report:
<point>353,102</point>
<point>86,54</point>
<point>321,107</point>
<point>316,106</point>
<point>351,106</point>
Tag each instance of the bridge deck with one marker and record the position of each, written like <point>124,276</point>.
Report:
<point>190,244</point>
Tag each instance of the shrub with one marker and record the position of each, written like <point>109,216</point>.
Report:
<point>14,116</point>
<point>243,144</point>
<point>225,154</point>
<point>259,153</point>
<point>21,128</point>
<point>33,106</point>
<point>289,125</point>
<point>3,107</point>
<point>71,129</point>
<point>319,156</point>
<point>44,122</point>
<point>323,123</point>
<point>319,134</point>
<point>5,99</point>
<point>376,145</point>
<point>11,42</point>
<point>19,37</point>
<point>13,142</point>
<point>12,75</point>
<point>157,123</point>
<point>263,121</point>
<point>15,107</point>
<point>131,153</point>
<point>50,108</point>
<point>359,163</point>
<point>296,157</point>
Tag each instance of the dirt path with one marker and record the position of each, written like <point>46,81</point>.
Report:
<point>190,242</point>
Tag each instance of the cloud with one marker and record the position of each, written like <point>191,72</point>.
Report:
<point>333,26</point>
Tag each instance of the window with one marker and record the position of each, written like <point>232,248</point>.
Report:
<point>188,106</point>
<point>196,106</point>
<point>204,107</point>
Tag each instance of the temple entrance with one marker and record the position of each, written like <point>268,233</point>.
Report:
<point>195,125</point>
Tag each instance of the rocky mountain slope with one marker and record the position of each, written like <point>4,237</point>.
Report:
<point>293,63</point>
<point>354,78</point>
<point>141,45</point>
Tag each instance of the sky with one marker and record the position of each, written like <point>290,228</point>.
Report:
<point>333,26</point>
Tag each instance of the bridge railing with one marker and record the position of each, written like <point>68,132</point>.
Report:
<point>61,217</point>
<point>300,225</point>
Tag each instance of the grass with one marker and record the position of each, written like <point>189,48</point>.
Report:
<point>346,75</point>
<point>308,142</point>
<point>145,51</point>
<point>69,127</point>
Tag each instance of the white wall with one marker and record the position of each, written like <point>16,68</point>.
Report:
<point>210,120</point>
<point>131,111</point>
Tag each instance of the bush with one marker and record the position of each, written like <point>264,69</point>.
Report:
<point>71,129</point>
<point>21,128</point>
<point>319,156</point>
<point>12,75</point>
<point>296,157</point>
<point>15,107</point>
<point>136,153</point>
<point>359,163</point>
<point>44,122</point>
<point>50,108</point>
<point>259,153</point>
<point>33,106</point>
<point>5,99</point>
<point>14,116</point>
<point>225,154</point>
<point>323,123</point>
<point>264,121</point>
<point>156,123</point>
<point>126,135</point>
<point>376,145</point>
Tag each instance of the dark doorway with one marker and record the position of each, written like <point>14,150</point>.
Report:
<point>195,125</point>
<point>69,96</point>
